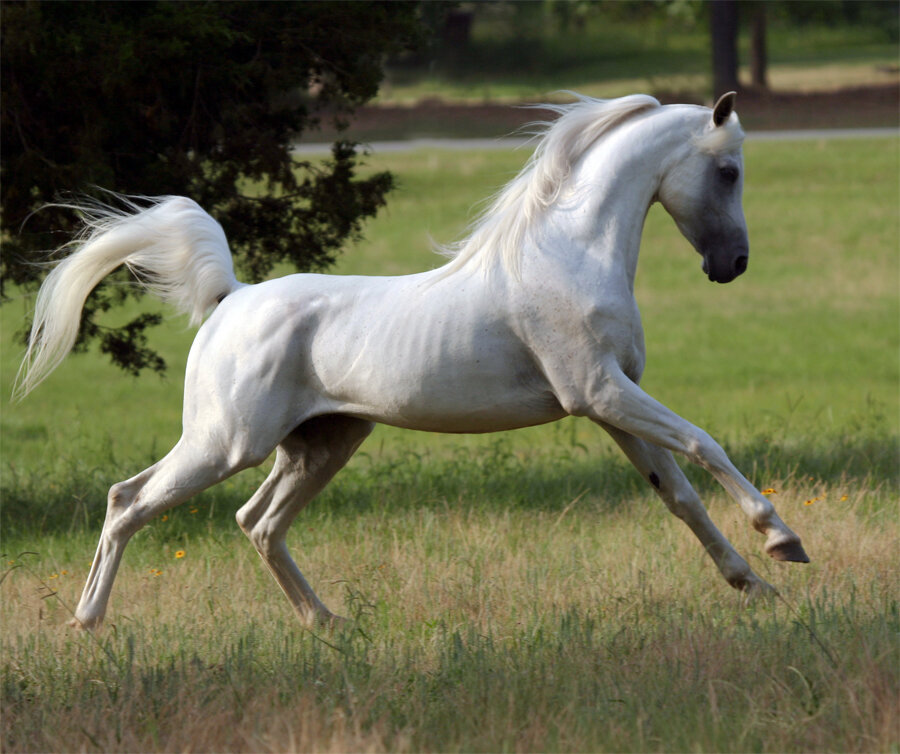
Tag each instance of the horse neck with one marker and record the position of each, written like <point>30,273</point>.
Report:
<point>601,217</point>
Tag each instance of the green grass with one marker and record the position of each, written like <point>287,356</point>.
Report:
<point>523,591</point>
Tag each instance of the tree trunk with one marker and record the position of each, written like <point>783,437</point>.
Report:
<point>723,22</point>
<point>758,58</point>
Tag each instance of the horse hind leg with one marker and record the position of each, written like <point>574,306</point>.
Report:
<point>184,472</point>
<point>305,461</point>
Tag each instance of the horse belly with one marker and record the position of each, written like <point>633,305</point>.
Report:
<point>440,379</point>
<point>463,412</point>
<point>466,407</point>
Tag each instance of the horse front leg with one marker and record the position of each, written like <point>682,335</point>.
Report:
<point>658,467</point>
<point>620,403</point>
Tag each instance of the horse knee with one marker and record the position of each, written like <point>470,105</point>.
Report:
<point>704,451</point>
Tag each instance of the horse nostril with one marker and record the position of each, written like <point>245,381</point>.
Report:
<point>740,265</point>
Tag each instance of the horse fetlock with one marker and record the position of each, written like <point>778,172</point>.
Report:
<point>86,622</point>
<point>332,622</point>
<point>746,581</point>
<point>761,525</point>
<point>321,618</point>
<point>757,589</point>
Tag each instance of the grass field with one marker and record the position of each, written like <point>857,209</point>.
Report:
<point>523,591</point>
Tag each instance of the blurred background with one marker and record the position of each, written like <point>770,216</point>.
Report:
<point>796,64</point>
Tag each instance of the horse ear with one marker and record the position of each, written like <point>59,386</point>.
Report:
<point>724,107</point>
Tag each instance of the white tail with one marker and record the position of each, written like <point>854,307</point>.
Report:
<point>174,248</point>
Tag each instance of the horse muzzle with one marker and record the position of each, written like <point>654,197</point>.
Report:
<point>722,268</point>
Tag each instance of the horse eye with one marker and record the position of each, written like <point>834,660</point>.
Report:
<point>729,173</point>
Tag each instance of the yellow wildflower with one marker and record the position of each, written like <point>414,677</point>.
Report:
<point>179,554</point>
<point>769,491</point>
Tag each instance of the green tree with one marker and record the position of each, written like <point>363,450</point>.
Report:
<point>202,99</point>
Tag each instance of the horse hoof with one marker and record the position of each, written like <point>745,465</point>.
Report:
<point>788,551</point>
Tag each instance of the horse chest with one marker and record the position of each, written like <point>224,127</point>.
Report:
<point>577,333</point>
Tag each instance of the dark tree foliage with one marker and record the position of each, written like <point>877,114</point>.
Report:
<point>202,99</point>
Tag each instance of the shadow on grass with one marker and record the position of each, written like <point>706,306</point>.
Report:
<point>69,495</point>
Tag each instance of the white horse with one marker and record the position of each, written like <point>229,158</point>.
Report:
<point>533,319</point>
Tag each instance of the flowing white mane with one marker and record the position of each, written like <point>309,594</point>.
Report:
<point>501,228</point>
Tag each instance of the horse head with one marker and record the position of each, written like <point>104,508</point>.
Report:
<point>702,192</point>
